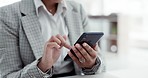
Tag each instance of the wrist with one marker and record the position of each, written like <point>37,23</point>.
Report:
<point>42,66</point>
<point>94,69</point>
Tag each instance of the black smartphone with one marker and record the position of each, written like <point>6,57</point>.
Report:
<point>91,38</point>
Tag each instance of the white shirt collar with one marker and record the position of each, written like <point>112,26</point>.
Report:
<point>39,3</point>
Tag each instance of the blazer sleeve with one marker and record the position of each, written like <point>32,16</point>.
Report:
<point>11,65</point>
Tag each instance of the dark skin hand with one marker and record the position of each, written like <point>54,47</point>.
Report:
<point>85,53</point>
<point>52,51</point>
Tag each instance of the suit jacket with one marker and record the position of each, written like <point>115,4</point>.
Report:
<point>21,42</point>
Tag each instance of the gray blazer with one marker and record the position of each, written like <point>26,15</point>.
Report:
<point>21,43</point>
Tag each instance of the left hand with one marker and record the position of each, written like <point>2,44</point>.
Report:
<point>86,55</point>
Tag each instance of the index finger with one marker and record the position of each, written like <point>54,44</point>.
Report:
<point>90,50</point>
<point>63,40</point>
<point>67,46</point>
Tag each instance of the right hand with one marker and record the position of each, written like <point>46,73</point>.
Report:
<point>52,51</point>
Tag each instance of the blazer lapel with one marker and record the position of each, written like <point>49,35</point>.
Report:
<point>31,27</point>
<point>74,25</point>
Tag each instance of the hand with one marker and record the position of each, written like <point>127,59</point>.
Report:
<point>86,55</point>
<point>52,51</point>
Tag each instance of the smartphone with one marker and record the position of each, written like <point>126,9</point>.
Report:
<point>91,38</point>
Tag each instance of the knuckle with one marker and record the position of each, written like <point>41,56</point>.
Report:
<point>63,41</point>
<point>71,55</point>
<point>88,60</point>
<point>48,44</point>
<point>85,54</point>
<point>58,35</point>
<point>87,46</point>
<point>74,50</point>
<point>79,64</point>
<point>74,59</point>
<point>94,56</point>
<point>52,37</point>
<point>90,50</point>
<point>82,50</point>
<point>54,43</point>
<point>59,42</point>
<point>80,57</point>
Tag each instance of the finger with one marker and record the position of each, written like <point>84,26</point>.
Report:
<point>52,45</point>
<point>67,46</point>
<point>90,50</point>
<point>83,52</point>
<point>65,37</point>
<point>55,39</point>
<point>74,58</point>
<point>96,47</point>
<point>78,54</point>
<point>61,38</point>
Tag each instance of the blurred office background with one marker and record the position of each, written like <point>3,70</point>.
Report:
<point>125,43</point>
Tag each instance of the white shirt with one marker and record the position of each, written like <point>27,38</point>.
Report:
<point>53,25</point>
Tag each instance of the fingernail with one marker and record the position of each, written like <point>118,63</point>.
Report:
<point>60,47</point>
<point>84,44</point>
<point>77,45</point>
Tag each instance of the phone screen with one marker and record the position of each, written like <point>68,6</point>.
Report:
<point>91,38</point>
